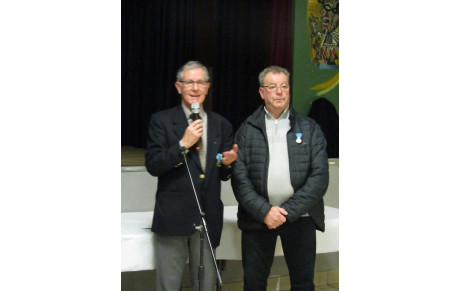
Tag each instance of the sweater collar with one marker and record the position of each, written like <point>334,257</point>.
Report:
<point>258,117</point>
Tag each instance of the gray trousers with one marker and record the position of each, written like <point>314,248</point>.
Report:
<point>171,254</point>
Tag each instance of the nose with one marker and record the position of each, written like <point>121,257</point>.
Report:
<point>195,85</point>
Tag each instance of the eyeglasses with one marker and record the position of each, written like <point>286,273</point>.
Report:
<point>274,88</point>
<point>190,84</point>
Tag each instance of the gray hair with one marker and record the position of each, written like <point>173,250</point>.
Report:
<point>272,69</point>
<point>192,65</point>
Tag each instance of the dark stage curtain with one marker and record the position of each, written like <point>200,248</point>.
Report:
<point>242,45</point>
<point>157,38</point>
<point>234,39</point>
<point>281,35</point>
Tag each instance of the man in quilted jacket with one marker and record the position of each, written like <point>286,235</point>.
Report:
<point>279,180</point>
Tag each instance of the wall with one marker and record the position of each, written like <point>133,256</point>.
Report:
<point>306,74</point>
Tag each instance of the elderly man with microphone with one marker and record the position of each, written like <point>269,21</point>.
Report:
<point>201,137</point>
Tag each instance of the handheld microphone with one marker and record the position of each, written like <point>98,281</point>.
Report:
<point>195,116</point>
<point>196,111</point>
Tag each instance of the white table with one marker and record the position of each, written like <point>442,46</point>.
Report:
<point>137,239</point>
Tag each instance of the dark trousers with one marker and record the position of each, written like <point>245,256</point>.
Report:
<point>299,246</point>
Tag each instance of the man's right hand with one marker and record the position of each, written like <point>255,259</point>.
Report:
<point>275,217</point>
<point>192,134</point>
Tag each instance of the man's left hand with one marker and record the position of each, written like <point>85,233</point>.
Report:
<point>230,156</point>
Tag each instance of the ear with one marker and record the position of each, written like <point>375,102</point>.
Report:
<point>261,92</point>
<point>178,87</point>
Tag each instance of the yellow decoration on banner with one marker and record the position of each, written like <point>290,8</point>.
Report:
<point>327,86</point>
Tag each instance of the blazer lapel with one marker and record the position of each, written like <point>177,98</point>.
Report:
<point>213,138</point>
<point>179,122</point>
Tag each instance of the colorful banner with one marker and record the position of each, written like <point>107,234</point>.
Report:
<point>323,18</point>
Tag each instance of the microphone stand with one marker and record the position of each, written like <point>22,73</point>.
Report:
<point>203,230</point>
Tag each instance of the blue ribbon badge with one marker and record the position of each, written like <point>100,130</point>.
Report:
<point>219,159</point>
<point>299,137</point>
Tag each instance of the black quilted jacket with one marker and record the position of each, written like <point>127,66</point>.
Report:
<point>308,169</point>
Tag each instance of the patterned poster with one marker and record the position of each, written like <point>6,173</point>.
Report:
<point>323,18</point>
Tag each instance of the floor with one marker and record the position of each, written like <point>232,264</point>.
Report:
<point>324,281</point>
<point>145,281</point>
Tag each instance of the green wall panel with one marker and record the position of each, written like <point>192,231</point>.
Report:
<point>306,74</point>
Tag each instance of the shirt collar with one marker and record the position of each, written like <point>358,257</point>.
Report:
<point>186,110</point>
<point>284,115</point>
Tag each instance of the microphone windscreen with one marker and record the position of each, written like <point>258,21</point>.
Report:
<point>196,108</point>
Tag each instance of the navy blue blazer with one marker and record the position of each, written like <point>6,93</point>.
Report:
<point>176,211</point>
